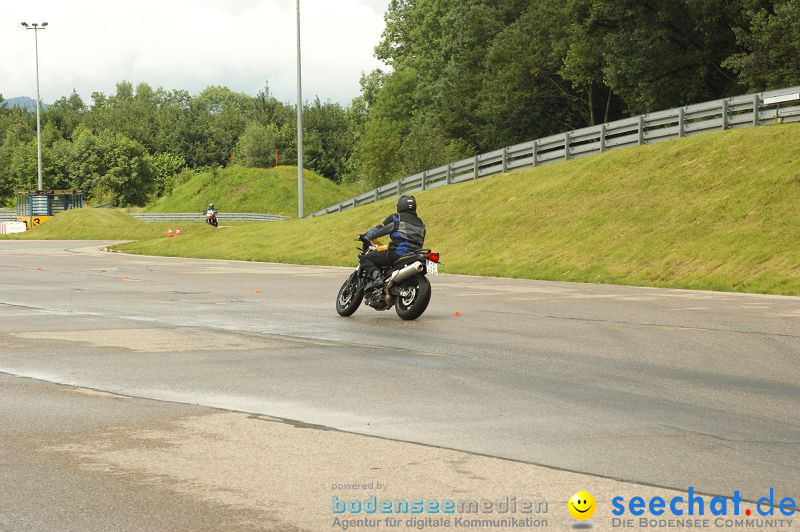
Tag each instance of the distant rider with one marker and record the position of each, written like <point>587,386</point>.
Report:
<point>211,215</point>
<point>407,233</point>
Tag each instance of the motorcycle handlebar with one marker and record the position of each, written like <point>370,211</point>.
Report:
<point>365,243</point>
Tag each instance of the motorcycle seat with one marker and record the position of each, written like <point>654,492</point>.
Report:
<point>407,259</point>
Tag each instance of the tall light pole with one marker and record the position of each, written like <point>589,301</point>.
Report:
<point>36,27</point>
<point>299,124</point>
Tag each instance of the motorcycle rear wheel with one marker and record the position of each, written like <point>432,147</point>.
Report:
<point>350,296</point>
<point>412,306</point>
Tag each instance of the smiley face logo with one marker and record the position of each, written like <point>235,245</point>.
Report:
<point>582,505</point>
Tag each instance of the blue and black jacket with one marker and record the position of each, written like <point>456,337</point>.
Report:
<point>406,230</point>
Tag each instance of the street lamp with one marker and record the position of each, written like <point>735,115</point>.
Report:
<point>299,125</point>
<point>36,27</point>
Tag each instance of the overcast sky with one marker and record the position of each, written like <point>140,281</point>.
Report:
<point>90,45</point>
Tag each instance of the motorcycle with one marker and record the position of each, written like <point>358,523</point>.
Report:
<point>211,218</point>
<point>404,285</point>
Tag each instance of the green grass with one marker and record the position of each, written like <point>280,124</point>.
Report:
<point>100,224</point>
<point>718,211</point>
<point>239,189</point>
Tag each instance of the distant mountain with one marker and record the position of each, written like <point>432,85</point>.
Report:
<point>23,102</point>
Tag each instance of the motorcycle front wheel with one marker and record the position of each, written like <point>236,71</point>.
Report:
<point>349,297</point>
<point>418,294</point>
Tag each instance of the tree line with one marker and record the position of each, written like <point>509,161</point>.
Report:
<point>462,78</point>
<point>135,145</point>
<point>476,75</point>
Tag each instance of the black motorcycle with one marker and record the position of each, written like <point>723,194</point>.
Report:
<point>404,285</point>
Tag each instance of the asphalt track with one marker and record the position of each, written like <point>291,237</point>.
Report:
<point>662,387</point>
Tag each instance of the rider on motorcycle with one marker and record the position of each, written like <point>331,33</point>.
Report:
<point>407,233</point>
<point>211,215</point>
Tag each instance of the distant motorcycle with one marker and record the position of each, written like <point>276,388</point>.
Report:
<point>211,217</point>
<point>404,286</point>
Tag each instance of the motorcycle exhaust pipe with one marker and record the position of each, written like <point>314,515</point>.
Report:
<point>400,276</point>
<point>409,271</point>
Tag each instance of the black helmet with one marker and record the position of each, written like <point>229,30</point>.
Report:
<point>407,203</point>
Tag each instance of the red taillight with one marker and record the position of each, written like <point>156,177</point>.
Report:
<point>432,256</point>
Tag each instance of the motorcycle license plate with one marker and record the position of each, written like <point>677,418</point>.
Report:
<point>432,267</point>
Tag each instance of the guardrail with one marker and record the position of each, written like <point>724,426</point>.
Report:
<point>751,110</point>
<point>196,217</point>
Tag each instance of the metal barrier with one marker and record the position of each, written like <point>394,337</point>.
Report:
<point>751,110</point>
<point>193,217</point>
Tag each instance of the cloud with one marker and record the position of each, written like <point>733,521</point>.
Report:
<point>379,6</point>
<point>90,45</point>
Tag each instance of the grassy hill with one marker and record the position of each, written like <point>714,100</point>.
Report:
<point>98,224</point>
<point>239,189</point>
<point>717,211</point>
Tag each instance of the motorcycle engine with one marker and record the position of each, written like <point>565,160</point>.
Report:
<point>375,299</point>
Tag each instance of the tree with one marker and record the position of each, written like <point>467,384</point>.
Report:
<point>377,158</point>
<point>127,175</point>
<point>524,94</point>
<point>55,164</point>
<point>4,112</point>
<point>85,164</point>
<point>769,55</point>
<point>658,54</point>
<point>55,158</point>
<point>132,113</point>
<point>224,116</point>
<point>256,146</point>
<point>164,167</point>
<point>425,147</point>
<point>66,114</point>
<point>110,166</point>
<point>329,140</point>
<point>18,139</point>
<point>268,110</point>
<point>22,169</point>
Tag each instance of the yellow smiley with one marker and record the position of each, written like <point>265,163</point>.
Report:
<point>582,505</point>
